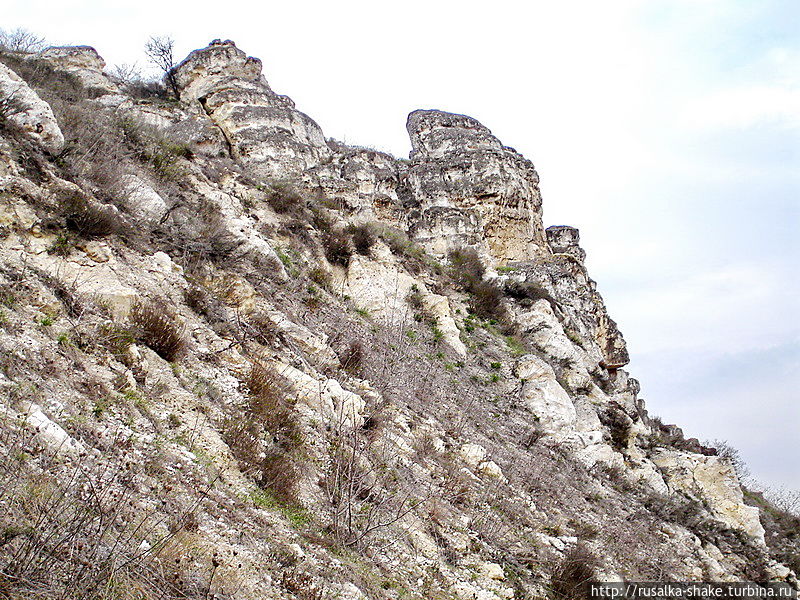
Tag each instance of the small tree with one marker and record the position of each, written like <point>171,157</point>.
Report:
<point>160,51</point>
<point>20,40</point>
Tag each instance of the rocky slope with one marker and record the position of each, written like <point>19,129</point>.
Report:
<point>241,360</point>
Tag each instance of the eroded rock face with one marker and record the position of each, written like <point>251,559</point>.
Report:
<point>365,182</point>
<point>456,163</point>
<point>714,480</point>
<point>84,63</point>
<point>263,129</point>
<point>563,279</point>
<point>24,109</point>
<point>551,406</point>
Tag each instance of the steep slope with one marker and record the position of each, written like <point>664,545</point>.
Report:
<point>240,360</point>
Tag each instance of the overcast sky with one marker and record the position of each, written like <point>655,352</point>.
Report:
<point>668,131</point>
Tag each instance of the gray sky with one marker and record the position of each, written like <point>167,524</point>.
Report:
<point>668,131</point>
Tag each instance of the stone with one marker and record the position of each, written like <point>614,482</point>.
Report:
<point>22,107</point>
<point>142,201</point>
<point>81,61</point>
<point>711,479</point>
<point>565,240</point>
<point>50,433</point>
<point>456,163</point>
<point>438,309</point>
<point>263,129</point>
<point>472,454</point>
<point>549,403</point>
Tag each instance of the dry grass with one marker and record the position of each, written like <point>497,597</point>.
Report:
<point>158,329</point>
<point>338,247</point>
<point>573,576</point>
<point>364,237</point>
<point>264,433</point>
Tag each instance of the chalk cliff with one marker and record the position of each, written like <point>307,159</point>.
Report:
<point>241,360</point>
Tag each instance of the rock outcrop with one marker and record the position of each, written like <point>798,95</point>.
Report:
<point>468,187</point>
<point>259,340</point>
<point>264,129</point>
<point>22,107</point>
<point>83,62</point>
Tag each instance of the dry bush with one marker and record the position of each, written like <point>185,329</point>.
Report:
<point>114,338</point>
<point>571,579</point>
<point>364,237</point>
<point>284,198</point>
<point>487,300</point>
<point>352,357</point>
<point>467,271</point>
<point>264,433</point>
<point>158,329</point>
<point>153,148</point>
<point>208,306</point>
<point>413,256</point>
<point>301,585</point>
<point>364,485</point>
<point>619,425</point>
<point>338,248</point>
<point>528,292</point>
<point>89,218</point>
<point>71,530</point>
<point>466,267</point>
<point>20,40</point>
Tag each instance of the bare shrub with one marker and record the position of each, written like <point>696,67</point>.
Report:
<point>158,329</point>
<point>153,148</point>
<point>467,271</point>
<point>89,218</point>
<point>284,198</point>
<point>20,40</point>
<point>363,486</point>
<point>352,357</point>
<point>619,425</point>
<point>363,237</point>
<point>466,267</point>
<point>528,292</point>
<point>338,248</point>
<point>264,433</point>
<point>73,528</point>
<point>413,256</point>
<point>571,579</point>
<point>734,457</point>
<point>129,78</point>
<point>10,106</point>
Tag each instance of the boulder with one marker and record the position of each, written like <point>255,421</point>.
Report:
<point>84,63</point>
<point>23,108</point>
<point>547,400</point>
<point>711,479</point>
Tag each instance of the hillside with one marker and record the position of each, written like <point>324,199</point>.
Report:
<point>239,359</point>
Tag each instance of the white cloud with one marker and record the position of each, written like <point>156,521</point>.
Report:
<point>739,108</point>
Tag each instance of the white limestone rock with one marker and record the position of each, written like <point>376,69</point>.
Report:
<point>263,128</point>
<point>23,108</point>
<point>713,479</point>
<point>547,400</point>
<point>81,61</point>
<point>470,188</point>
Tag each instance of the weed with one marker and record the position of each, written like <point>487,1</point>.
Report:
<point>363,237</point>
<point>571,579</point>
<point>159,330</point>
<point>62,245</point>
